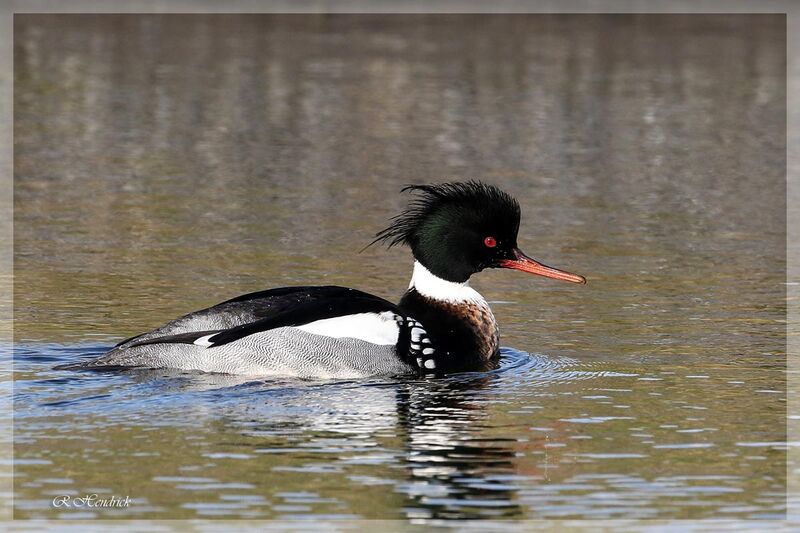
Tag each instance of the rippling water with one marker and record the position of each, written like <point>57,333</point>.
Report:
<point>163,164</point>
<point>540,436</point>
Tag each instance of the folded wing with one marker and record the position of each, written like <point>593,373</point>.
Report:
<point>274,330</point>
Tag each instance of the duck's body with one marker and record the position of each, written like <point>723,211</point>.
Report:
<point>324,332</point>
<point>264,333</point>
<point>440,325</point>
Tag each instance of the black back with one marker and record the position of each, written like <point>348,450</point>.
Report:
<point>281,307</point>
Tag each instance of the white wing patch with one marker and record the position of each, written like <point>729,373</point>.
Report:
<point>375,328</point>
<point>204,341</point>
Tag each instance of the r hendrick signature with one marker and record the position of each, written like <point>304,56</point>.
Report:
<point>90,501</point>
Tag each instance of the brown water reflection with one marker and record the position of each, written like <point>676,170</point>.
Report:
<point>164,163</point>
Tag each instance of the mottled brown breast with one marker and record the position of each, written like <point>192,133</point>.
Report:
<point>480,320</point>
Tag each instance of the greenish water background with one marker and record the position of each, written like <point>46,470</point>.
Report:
<point>164,163</point>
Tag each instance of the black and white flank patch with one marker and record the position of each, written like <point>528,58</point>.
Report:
<point>420,348</point>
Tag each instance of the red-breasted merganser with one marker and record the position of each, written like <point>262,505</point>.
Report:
<point>441,324</point>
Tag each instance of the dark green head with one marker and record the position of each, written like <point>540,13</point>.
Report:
<point>457,229</point>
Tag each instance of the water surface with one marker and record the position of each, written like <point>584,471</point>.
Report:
<point>166,163</point>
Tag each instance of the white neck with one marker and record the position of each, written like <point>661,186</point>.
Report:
<point>432,286</point>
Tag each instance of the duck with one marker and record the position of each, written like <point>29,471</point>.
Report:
<point>441,325</point>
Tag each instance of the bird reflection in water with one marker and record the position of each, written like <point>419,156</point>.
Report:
<point>445,457</point>
<point>452,472</point>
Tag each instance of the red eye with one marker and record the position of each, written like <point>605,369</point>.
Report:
<point>490,242</point>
